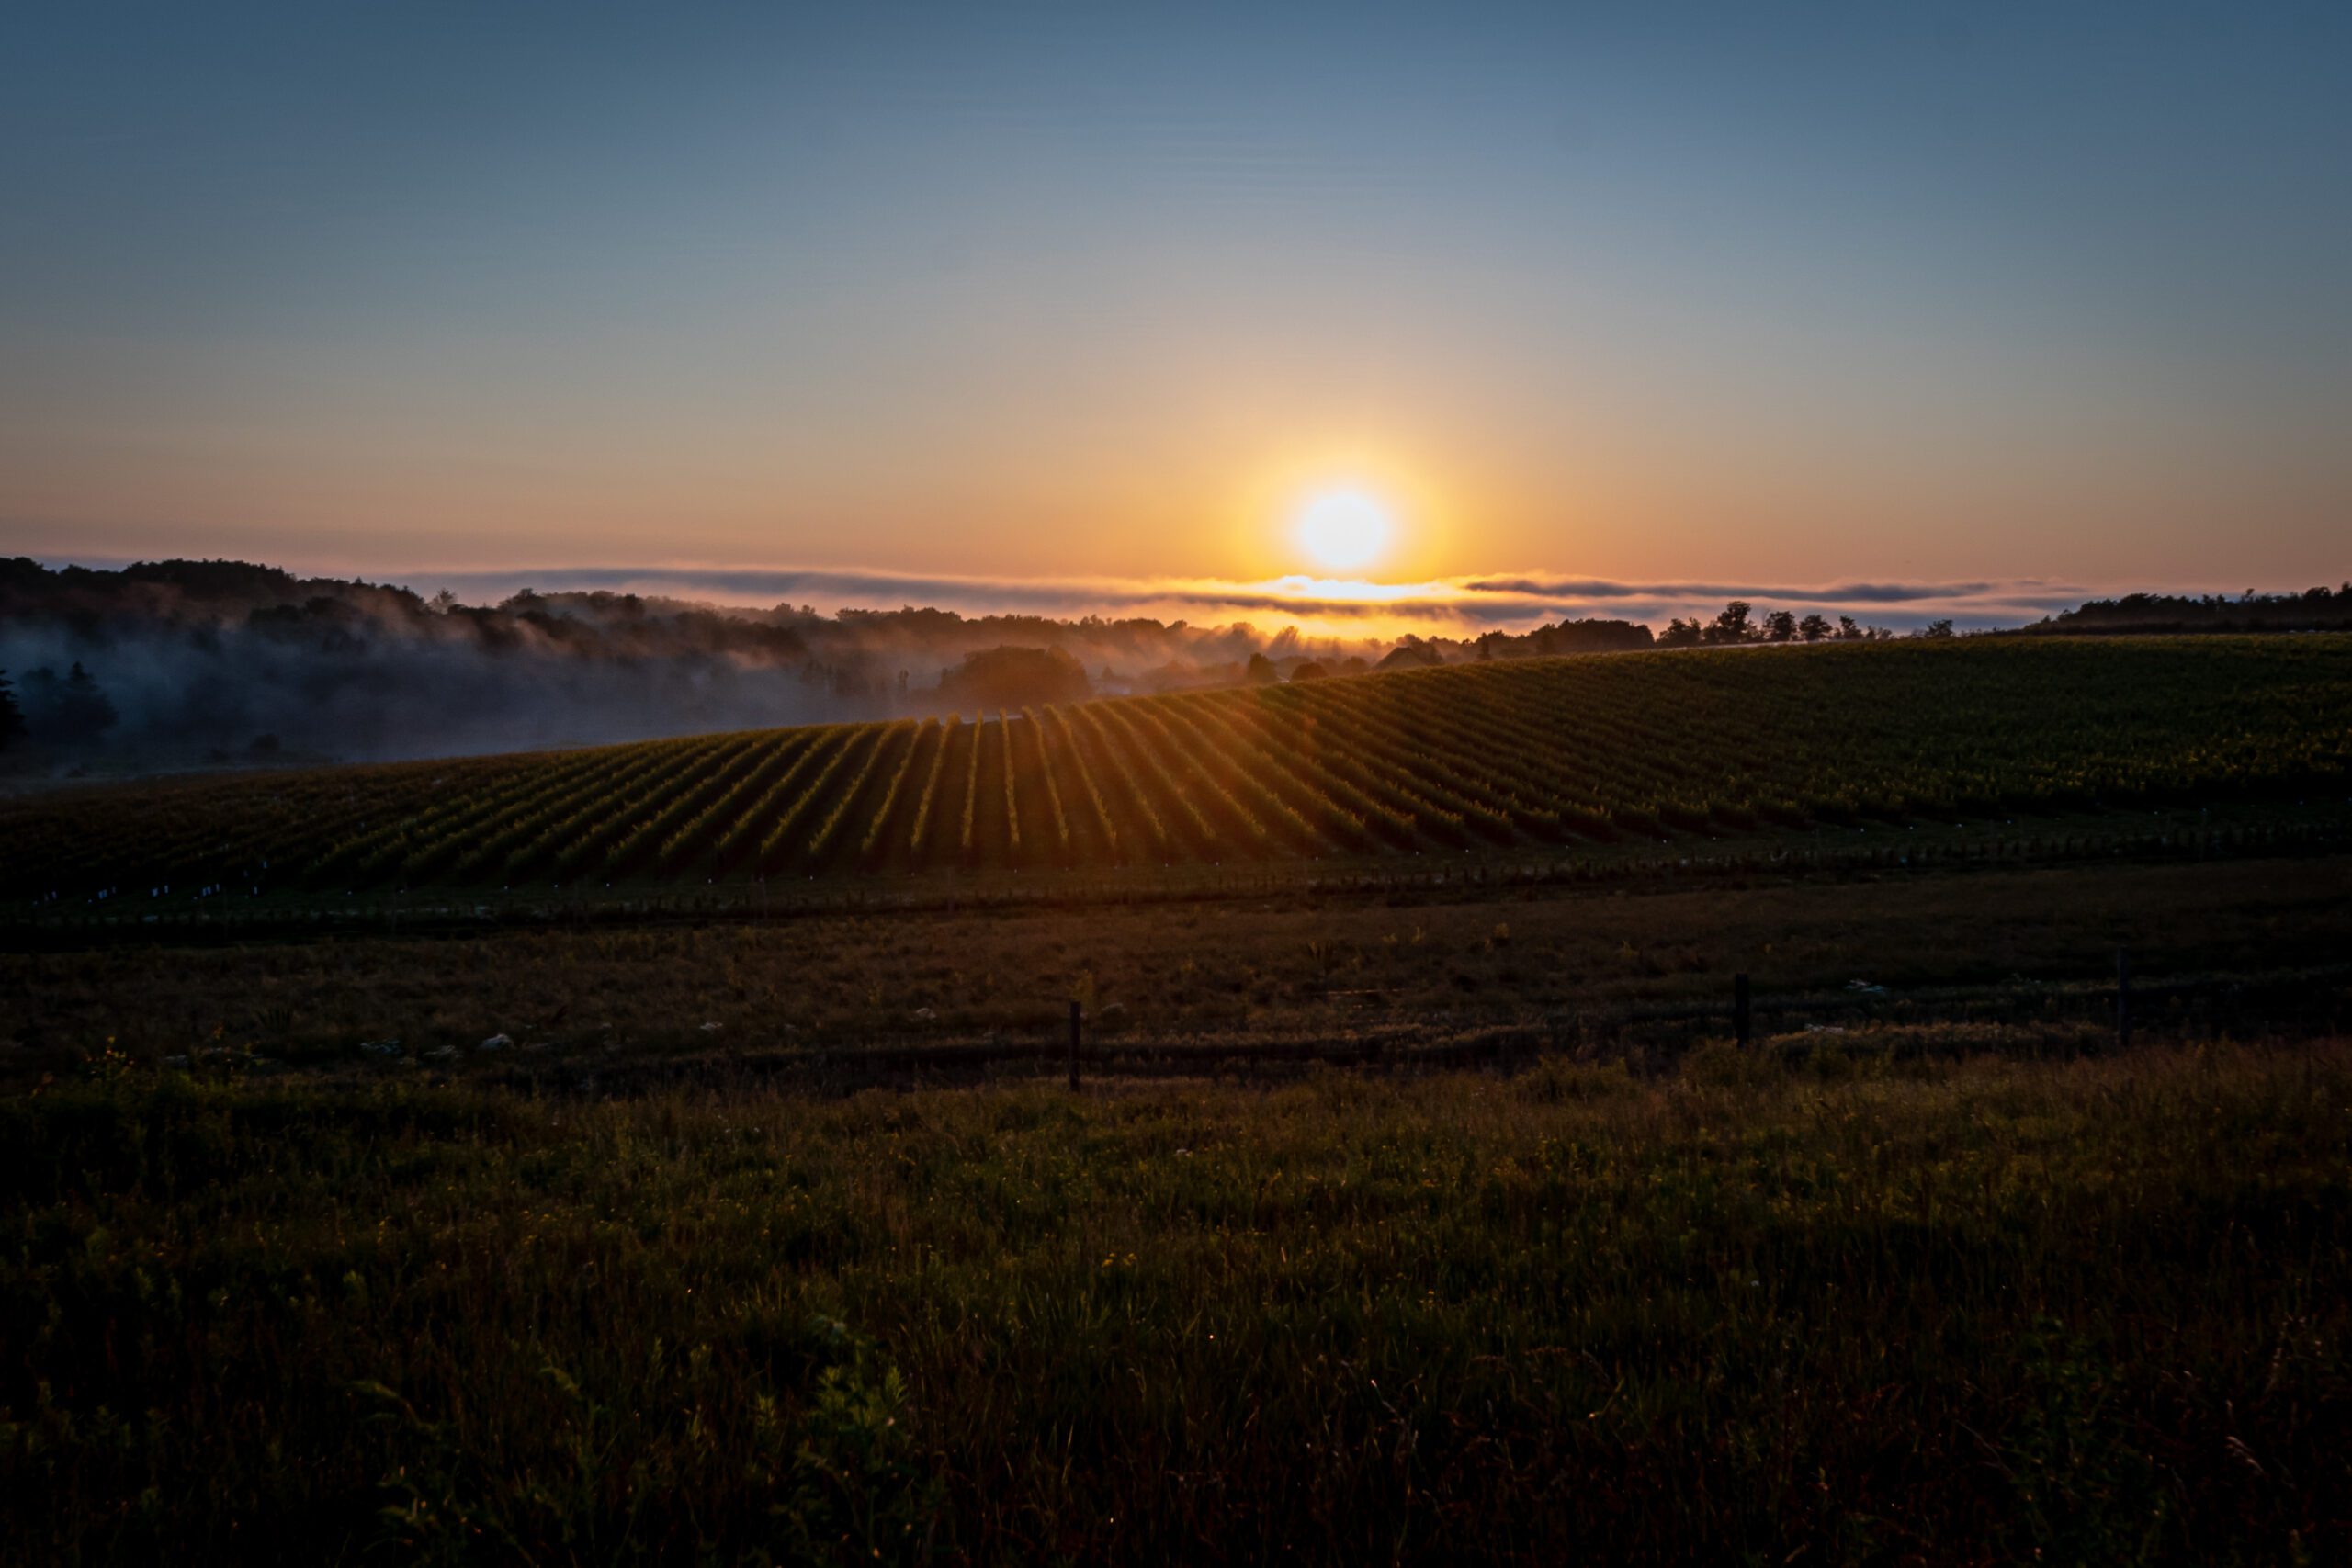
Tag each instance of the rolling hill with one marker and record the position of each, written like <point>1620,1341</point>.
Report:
<point>1517,753</point>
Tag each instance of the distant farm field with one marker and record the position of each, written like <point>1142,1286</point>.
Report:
<point>1510,755</point>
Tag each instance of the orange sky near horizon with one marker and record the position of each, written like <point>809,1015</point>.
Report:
<point>1152,500</point>
<point>1043,293</point>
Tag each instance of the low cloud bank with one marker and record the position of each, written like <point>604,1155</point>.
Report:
<point>1440,606</point>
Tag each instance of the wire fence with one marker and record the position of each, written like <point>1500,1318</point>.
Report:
<point>2068,1016</point>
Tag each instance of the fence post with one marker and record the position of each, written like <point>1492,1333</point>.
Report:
<point>2123,998</point>
<point>1739,1009</point>
<point>1075,1016</point>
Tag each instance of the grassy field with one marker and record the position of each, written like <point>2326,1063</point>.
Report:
<point>494,1226</point>
<point>2251,945</point>
<point>1873,1310</point>
<point>1538,756</point>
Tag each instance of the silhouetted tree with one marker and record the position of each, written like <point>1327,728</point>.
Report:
<point>1847,631</point>
<point>1014,678</point>
<point>1263,671</point>
<point>71,711</point>
<point>1934,628</point>
<point>1310,670</point>
<point>1733,626</point>
<point>1780,626</point>
<point>1410,654</point>
<point>1680,633</point>
<point>1588,635</point>
<point>1813,628</point>
<point>12,718</point>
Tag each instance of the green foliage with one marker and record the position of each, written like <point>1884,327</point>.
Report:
<point>861,1492</point>
<point>12,718</point>
<point>2088,1311</point>
<point>71,710</point>
<point>1012,678</point>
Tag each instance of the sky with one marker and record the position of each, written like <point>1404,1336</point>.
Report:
<point>1987,303</point>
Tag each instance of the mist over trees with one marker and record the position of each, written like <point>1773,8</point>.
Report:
<point>1005,678</point>
<point>196,663</point>
<point>1410,654</point>
<point>70,710</point>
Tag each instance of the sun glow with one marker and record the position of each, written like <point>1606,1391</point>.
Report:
<point>1343,529</point>
<point>1351,591</point>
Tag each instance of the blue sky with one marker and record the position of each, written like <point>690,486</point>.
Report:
<point>1808,293</point>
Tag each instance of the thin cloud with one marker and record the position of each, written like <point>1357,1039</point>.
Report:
<point>1843,593</point>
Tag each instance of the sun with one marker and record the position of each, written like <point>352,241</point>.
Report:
<point>1344,529</point>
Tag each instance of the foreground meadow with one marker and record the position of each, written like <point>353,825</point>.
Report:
<point>1850,1308</point>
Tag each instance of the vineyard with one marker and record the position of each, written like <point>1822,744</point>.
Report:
<point>1534,752</point>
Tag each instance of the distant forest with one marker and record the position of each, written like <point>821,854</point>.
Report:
<point>2315,610</point>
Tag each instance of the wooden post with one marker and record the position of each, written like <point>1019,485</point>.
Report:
<point>1739,1009</point>
<point>2123,998</point>
<point>1076,1016</point>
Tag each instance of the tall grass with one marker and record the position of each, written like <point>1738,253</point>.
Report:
<point>1860,1312</point>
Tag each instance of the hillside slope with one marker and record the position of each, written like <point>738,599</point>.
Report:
<point>1517,753</point>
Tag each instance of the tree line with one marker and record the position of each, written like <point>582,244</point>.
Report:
<point>1737,624</point>
<point>66,709</point>
<point>2313,610</point>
